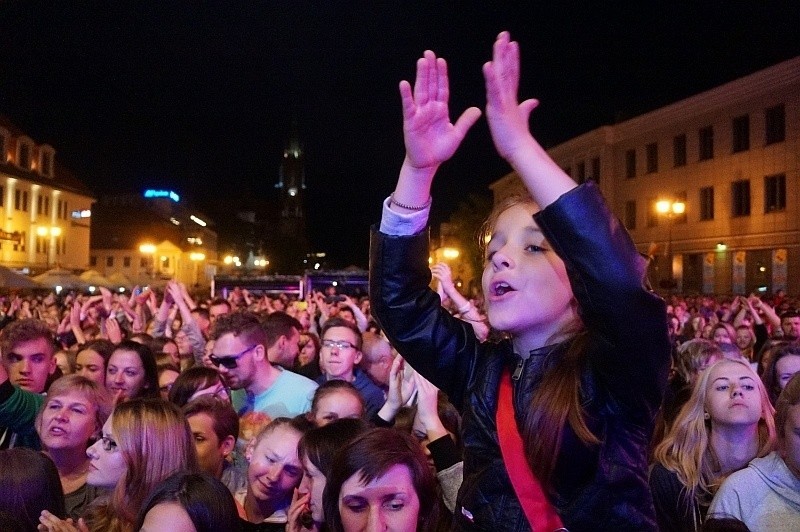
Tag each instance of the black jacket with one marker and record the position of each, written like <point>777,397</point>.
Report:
<point>625,371</point>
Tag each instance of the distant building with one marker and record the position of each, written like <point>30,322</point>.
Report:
<point>152,237</point>
<point>45,210</point>
<point>731,156</point>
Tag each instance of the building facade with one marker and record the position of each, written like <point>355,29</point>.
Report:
<point>152,237</point>
<point>46,211</point>
<point>730,157</point>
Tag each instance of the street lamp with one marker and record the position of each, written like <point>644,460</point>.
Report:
<point>51,232</point>
<point>150,249</point>
<point>670,209</point>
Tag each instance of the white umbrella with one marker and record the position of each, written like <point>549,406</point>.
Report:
<point>60,277</point>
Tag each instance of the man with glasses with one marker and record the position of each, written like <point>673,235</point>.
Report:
<point>340,353</point>
<point>240,356</point>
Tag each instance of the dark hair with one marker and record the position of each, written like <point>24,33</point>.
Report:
<point>723,523</point>
<point>790,396</point>
<point>145,354</point>
<point>102,347</point>
<point>226,421</point>
<point>29,483</point>
<point>370,456</point>
<point>220,301</point>
<point>279,324</point>
<point>770,376</point>
<point>341,322</point>
<point>207,501</point>
<point>190,381</point>
<point>320,444</point>
<point>333,386</point>
<point>25,331</point>
<point>159,343</point>
<point>448,415</point>
<point>244,325</point>
<point>143,338</point>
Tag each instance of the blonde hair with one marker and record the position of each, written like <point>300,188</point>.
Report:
<point>155,441</point>
<point>686,449</point>
<point>96,394</point>
<point>693,356</point>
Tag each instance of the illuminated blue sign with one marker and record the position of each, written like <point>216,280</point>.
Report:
<point>151,193</point>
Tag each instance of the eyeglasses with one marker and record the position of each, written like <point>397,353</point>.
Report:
<point>228,361</point>
<point>108,444</point>
<point>340,344</point>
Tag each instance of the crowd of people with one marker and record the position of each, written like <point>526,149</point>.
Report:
<point>567,396</point>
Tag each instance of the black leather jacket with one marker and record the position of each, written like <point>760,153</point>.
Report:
<point>625,370</point>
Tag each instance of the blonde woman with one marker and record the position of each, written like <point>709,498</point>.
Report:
<point>727,422</point>
<point>142,443</point>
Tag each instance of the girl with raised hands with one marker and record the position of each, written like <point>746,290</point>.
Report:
<point>586,357</point>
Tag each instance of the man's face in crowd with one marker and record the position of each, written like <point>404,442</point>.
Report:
<point>29,364</point>
<point>216,311</point>
<point>791,326</point>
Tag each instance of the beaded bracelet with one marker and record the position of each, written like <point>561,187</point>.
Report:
<point>410,207</point>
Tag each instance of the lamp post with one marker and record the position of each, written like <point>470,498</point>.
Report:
<point>670,209</point>
<point>150,249</point>
<point>51,233</point>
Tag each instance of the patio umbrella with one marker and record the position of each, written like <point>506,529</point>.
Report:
<point>93,278</point>
<point>11,279</point>
<point>120,280</point>
<point>62,278</point>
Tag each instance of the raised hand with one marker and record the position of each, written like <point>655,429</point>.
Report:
<point>430,137</point>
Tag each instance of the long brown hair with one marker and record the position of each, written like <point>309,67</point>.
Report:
<point>557,400</point>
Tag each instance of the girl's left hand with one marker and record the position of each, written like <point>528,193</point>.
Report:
<point>50,523</point>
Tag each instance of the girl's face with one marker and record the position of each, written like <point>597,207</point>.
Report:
<point>215,389</point>
<point>743,338</point>
<point>721,336</point>
<point>308,353</point>
<point>125,376</point>
<point>524,282</point>
<point>785,368</point>
<point>337,405</point>
<point>314,483</point>
<point>732,395</point>
<point>68,421</point>
<point>165,380</point>
<point>275,469</point>
<point>91,365</point>
<point>106,463</point>
<point>389,502</point>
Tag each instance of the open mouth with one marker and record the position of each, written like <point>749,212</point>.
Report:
<point>501,288</point>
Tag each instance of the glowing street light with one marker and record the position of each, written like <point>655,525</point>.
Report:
<point>450,253</point>
<point>670,209</point>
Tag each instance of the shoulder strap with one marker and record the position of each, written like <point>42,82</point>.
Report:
<point>541,515</point>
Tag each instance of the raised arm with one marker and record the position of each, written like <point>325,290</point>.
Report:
<point>430,138</point>
<point>508,123</point>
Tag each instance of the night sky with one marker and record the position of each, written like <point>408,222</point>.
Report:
<point>200,97</point>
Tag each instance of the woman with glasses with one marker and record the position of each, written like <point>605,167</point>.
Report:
<point>142,443</point>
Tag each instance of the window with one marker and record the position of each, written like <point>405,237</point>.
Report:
<point>65,213</point>
<point>581,172</point>
<point>47,205</point>
<point>630,164</point>
<point>110,262</point>
<point>707,203</point>
<point>2,148</point>
<point>2,197</point>
<point>25,156</point>
<point>17,199</point>
<point>741,133</point>
<point>144,262</point>
<point>39,203</point>
<point>652,158</point>
<point>47,164</point>
<point>706,146</point>
<point>596,169</point>
<point>25,200</point>
<point>740,198</point>
<point>630,214</point>
<point>679,151</point>
<point>775,124</point>
<point>126,262</point>
<point>775,193</point>
<point>93,261</point>
<point>652,213</point>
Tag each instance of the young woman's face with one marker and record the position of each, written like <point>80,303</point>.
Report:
<point>525,283</point>
<point>721,336</point>
<point>743,338</point>
<point>789,445</point>
<point>314,483</point>
<point>90,364</point>
<point>732,395</point>
<point>275,469</point>
<point>387,503</point>
<point>125,376</point>
<point>68,421</point>
<point>337,405</point>
<point>165,380</point>
<point>106,463</point>
<point>215,389</point>
<point>308,353</point>
<point>210,451</point>
<point>785,368</point>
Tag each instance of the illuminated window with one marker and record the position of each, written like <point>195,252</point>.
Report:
<point>740,198</point>
<point>775,124</point>
<point>775,193</point>
<point>741,133</point>
<point>706,143</point>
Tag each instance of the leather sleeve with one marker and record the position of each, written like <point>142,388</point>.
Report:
<point>439,346</point>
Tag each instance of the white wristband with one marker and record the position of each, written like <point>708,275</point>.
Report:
<point>466,308</point>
